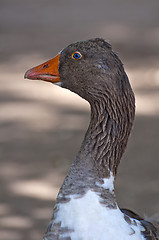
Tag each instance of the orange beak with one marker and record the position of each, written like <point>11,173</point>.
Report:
<point>47,71</point>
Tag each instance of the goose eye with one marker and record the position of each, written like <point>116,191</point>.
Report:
<point>76,55</point>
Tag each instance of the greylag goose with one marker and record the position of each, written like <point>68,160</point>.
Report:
<point>86,206</point>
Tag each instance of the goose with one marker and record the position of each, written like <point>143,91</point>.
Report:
<point>86,206</point>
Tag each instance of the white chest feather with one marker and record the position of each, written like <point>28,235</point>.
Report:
<point>90,220</point>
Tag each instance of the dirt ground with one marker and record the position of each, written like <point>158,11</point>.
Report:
<point>42,125</point>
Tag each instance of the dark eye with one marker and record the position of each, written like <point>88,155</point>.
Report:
<point>76,55</point>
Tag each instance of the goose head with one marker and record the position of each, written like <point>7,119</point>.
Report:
<point>89,68</point>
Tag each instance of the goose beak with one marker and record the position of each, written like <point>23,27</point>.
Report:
<point>47,71</point>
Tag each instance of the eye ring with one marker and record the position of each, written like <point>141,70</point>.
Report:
<point>76,55</point>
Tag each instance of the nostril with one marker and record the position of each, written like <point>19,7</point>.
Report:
<point>45,66</point>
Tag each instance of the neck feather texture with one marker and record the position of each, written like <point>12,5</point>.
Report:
<point>108,132</point>
<point>103,145</point>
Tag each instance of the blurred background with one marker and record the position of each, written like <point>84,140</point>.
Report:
<point>42,126</point>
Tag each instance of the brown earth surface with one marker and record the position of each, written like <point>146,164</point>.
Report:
<point>42,125</point>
